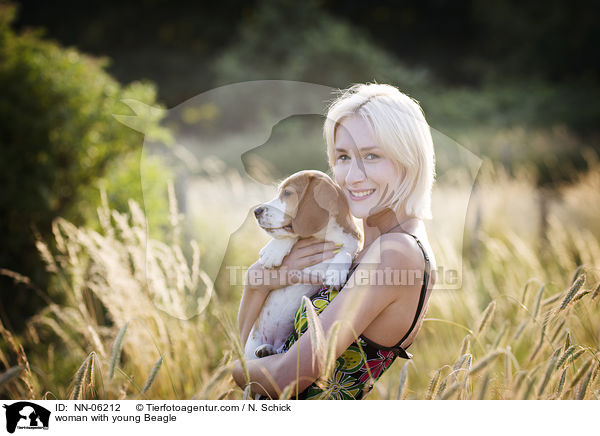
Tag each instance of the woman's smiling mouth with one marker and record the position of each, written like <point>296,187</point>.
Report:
<point>361,195</point>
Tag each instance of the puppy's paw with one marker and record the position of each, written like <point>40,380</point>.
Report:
<point>265,350</point>
<point>269,260</point>
<point>272,254</point>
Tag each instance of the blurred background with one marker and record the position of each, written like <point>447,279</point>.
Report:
<point>515,83</point>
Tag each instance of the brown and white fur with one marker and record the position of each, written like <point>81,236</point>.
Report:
<point>309,203</point>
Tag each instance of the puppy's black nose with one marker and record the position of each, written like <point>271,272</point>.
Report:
<point>258,211</point>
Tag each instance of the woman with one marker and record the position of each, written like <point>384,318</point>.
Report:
<point>381,154</point>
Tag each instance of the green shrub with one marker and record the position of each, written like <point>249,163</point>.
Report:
<point>58,137</point>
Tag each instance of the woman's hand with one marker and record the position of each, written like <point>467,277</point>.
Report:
<point>305,253</point>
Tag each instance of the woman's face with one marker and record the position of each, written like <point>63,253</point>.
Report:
<point>362,169</point>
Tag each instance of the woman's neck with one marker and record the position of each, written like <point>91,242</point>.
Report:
<point>382,222</point>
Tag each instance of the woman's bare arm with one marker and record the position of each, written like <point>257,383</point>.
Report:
<point>354,309</point>
<point>253,299</point>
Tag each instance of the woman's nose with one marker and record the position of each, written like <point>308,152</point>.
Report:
<point>356,172</point>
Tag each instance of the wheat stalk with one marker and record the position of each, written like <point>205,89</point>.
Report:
<point>464,347</point>
<point>538,301</point>
<point>485,361</point>
<point>21,358</point>
<point>521,328</point>
<point>566,355</point>
<point>500,336</point>
<point>548,373</point>
<point>487,317</point>
<point>507,367</point>
<point>247,392</point>
<point>433,383</point>
<point>153,374</point>
<point>484,386</point>
<point>80,376</point>
<point>568,340</point>
<point>561,383</point>
<point>467,372</point>
<point>576,274</point>
<point>451,390</point>
<point>551,300</point>
<point>540,343</point>
<point>91,370</point>
<point>577,354</point>
<point>317,336</point>
<point>558,330</point>
<point>9,374</point>
<point>116,351</point>
<point>525,290</point>
<point>571,293</point>
<point>460,362</point>
<point>582,371</point>
<point>442,387</point>
<point>529,387</point>
<point>519,380</point>
<point>403,377</point>
<point>584,385</point>
<point>580,295</point>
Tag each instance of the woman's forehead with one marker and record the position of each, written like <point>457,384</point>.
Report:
<point>358,147</point>
<point>354,132</point>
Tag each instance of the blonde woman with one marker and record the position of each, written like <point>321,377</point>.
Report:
<point>381,155</point>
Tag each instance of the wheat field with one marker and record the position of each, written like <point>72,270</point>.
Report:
<point>141,319</point>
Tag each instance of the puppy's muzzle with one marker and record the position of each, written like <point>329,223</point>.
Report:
<point>259,211</point>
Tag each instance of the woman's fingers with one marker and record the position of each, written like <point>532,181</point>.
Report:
<point>307,241</point>
<point>305,253</point>
<point>315,248</point>
<point>314,259</point>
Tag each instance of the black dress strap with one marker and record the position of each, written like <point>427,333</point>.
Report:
<point>423,292</point>
<point>398,350</point>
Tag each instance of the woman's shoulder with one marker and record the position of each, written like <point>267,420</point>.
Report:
<point>395,250</point>
<point>418,253</point>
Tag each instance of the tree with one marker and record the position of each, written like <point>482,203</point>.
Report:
<point>58,137</point>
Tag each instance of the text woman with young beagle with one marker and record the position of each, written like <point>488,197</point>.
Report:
<point>382,159</point>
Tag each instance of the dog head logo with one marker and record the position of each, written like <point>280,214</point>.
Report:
<point>26,415</point>
<point>227,152</point>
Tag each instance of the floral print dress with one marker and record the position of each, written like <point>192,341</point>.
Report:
<point>362,364</point>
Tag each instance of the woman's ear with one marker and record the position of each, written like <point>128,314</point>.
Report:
<point>311,214</point>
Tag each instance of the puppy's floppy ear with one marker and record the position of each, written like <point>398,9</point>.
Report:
<point>312,214</point>
<point>330,196</point>
<point>334,198</point>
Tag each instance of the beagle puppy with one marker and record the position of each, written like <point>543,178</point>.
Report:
<point>308,204</point>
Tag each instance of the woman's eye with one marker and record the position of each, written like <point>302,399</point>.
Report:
<point>343,157</point>
<point>372,156</point>
<point>286,193</point>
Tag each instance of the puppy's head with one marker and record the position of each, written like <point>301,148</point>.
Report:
<point>303,206</point>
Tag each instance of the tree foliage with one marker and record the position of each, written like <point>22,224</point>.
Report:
<point>58,137</point>
<point>296,41</point>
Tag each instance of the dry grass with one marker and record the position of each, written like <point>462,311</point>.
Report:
<point>141,320</point>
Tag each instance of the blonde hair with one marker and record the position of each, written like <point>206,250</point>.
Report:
<point>399,126</point>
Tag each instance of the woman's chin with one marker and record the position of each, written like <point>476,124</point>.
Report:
<point>360,212</point>
<point>366,210</point>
